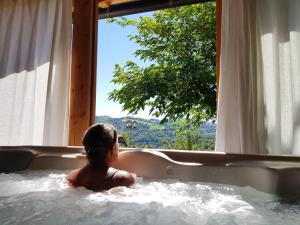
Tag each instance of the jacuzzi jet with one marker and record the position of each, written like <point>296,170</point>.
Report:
<point>169,170</point>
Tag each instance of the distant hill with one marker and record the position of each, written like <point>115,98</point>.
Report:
<point>149,133</point>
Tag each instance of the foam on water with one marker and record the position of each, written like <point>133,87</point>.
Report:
<point>41,197</point>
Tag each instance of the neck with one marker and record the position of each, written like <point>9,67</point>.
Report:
<point>100,168</point>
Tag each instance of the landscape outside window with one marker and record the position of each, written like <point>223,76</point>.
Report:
<point>156,78</point>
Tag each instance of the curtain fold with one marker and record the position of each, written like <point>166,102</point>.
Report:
<point>35,49</point>
<point>258,111</point>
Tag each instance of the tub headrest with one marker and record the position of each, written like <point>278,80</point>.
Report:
<point>15,159</point>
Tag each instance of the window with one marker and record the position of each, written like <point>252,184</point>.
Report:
<point>174,58</point>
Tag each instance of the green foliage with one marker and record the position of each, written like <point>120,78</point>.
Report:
<point>149,134</point>
<point>193,141</point>
<point>125,135</point>
<point>179,46</point>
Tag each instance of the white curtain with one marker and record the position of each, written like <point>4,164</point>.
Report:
<point>35,49</point>
<point>259,96</point>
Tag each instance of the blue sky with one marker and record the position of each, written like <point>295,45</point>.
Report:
<point>114,47</point>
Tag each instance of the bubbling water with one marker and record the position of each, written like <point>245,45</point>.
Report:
<point>43,197</point>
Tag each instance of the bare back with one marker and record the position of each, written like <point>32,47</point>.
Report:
<point>99,180</point>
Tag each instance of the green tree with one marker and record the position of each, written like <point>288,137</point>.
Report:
<point>191,140</point>
<point>178,45</point>
<point>125,137</point>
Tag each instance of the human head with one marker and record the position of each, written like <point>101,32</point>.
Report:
<point>100,143</point>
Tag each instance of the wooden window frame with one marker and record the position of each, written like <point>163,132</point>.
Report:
<point>84,55</point>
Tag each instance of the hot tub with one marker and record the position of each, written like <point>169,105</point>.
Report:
<point>272,174</point>
<point>173,187</point>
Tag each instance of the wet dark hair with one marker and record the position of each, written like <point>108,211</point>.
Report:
<point>98,141</point>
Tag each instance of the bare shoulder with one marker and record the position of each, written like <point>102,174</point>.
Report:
<point>123,178</point>
<point>73,174</point>
<point>72,177</point>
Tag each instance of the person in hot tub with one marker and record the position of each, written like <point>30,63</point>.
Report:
<point>101,145</point>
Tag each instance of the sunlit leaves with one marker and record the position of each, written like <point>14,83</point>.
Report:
<point>179,82</point>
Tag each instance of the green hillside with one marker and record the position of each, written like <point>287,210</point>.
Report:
<point>151,134</point>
